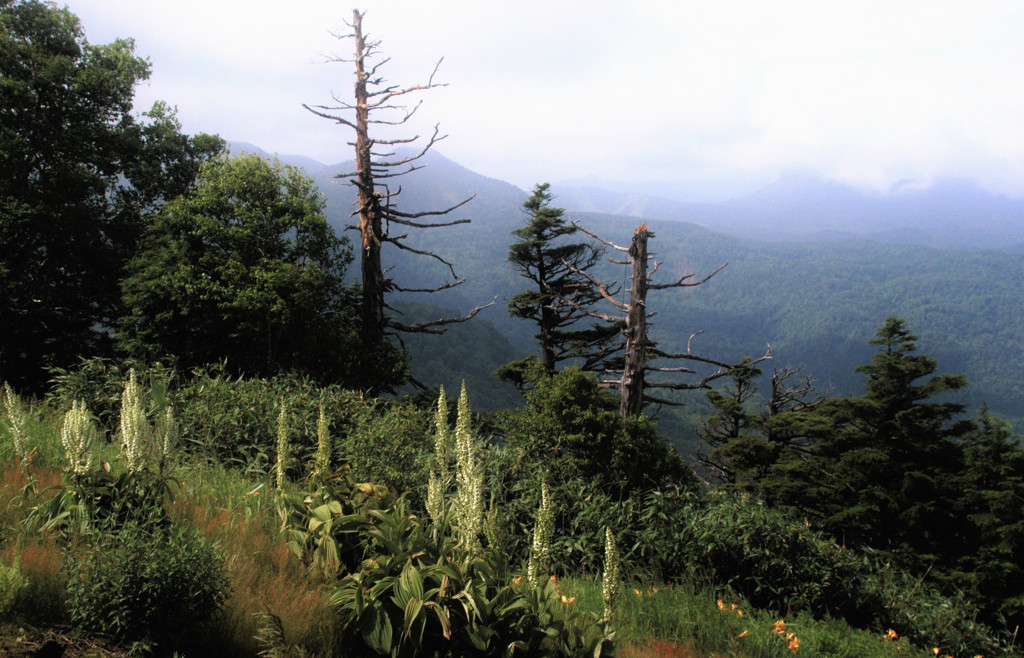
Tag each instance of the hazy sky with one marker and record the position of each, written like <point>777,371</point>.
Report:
<point>712,97</point>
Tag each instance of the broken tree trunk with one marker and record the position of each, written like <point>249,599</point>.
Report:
<point>631,400</point>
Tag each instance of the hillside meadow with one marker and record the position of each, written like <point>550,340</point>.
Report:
<point>271,498</point>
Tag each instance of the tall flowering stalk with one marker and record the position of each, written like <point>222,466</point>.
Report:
<point>15,421</point>
<point>282,447</point>
<point>610,582</point>
<point>78,434</point>
<point>438,482</point>
<point>135,437</point>
<point>540,548</point>
<point>435,496</point>
<point>322,462</point>
<point>469,478</point>
<point>166,435</point>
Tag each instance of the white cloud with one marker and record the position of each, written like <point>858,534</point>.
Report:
<point>544,91</point>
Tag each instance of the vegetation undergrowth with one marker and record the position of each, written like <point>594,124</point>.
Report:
<point>322,560</point>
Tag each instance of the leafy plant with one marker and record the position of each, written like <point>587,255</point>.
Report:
<point>146,584</point>
<point>322,527</point>
<point>12,583</point>
<point>417,592</point>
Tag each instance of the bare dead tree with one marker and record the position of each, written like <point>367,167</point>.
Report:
<point>793,397</point>
<point>633,383</point>
<point>742,444</point>
<point>378,104</point>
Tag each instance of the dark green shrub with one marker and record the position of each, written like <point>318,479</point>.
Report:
<point>149,586</point>
<point>646,523</point>
<point>736,541</point>
<point>99,382</point>
<point>572,429</point>
<point>389,443</point>
<point>233,419</point>
<point>918,610</point>
<point>12,583</point>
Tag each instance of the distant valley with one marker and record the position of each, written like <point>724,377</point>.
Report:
<point>949,214</point>
<point>814,277</point>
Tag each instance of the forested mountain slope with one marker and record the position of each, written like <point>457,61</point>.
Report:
<point>817,303</point>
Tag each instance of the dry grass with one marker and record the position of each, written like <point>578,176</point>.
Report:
<point>265,578</point>
<point>656,649</point>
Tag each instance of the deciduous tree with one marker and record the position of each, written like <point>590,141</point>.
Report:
<point>246,268</point>
<point>80,176</point>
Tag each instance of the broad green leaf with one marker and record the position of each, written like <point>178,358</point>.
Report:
<point>412,611</point>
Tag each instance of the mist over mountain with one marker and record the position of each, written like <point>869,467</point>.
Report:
<point>949,214</point>
<point>310,165</point>
<point>822,277</point>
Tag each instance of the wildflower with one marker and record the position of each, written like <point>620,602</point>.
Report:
<point>638,592</point>
<point>652,591</point>
<point>16,419</point>
<point>721,605</point>
<point>322,461</point>
<point>780,627</point>
<point>743,634</point>
<point>469,477</point>
<point>568,600</point>
<point>554,579</point>
<point>517,580</point>
<point>935,650</point>
<point>78,434</point>
<point>891,635</point>
<point>544,528</point>
<point>135,440</point>
<point>610,580</point>
<point>255,493</point>
<point>794,642</point>
<point>282,447</point>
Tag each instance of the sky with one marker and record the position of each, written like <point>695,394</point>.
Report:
<point>704,100</point>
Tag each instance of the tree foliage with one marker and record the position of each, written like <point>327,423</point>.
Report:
<point>879,476</point>
<point>749,434</point>
<point>245,268</point>
<point>553,265</point>
<point>990,508</point>
<point>570,427</point>
<point>81,175</point>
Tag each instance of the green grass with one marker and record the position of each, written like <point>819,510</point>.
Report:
<point>656,619</point>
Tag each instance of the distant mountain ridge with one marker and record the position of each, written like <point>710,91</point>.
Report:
<point>817,301</point>
<point>302,162</point>
<point>951,214</point>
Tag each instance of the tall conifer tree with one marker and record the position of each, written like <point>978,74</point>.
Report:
<point>547,257</point>
<point>881,475</point>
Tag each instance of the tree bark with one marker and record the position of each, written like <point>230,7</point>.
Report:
<point>631,399</point>
<point>373,281</point>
